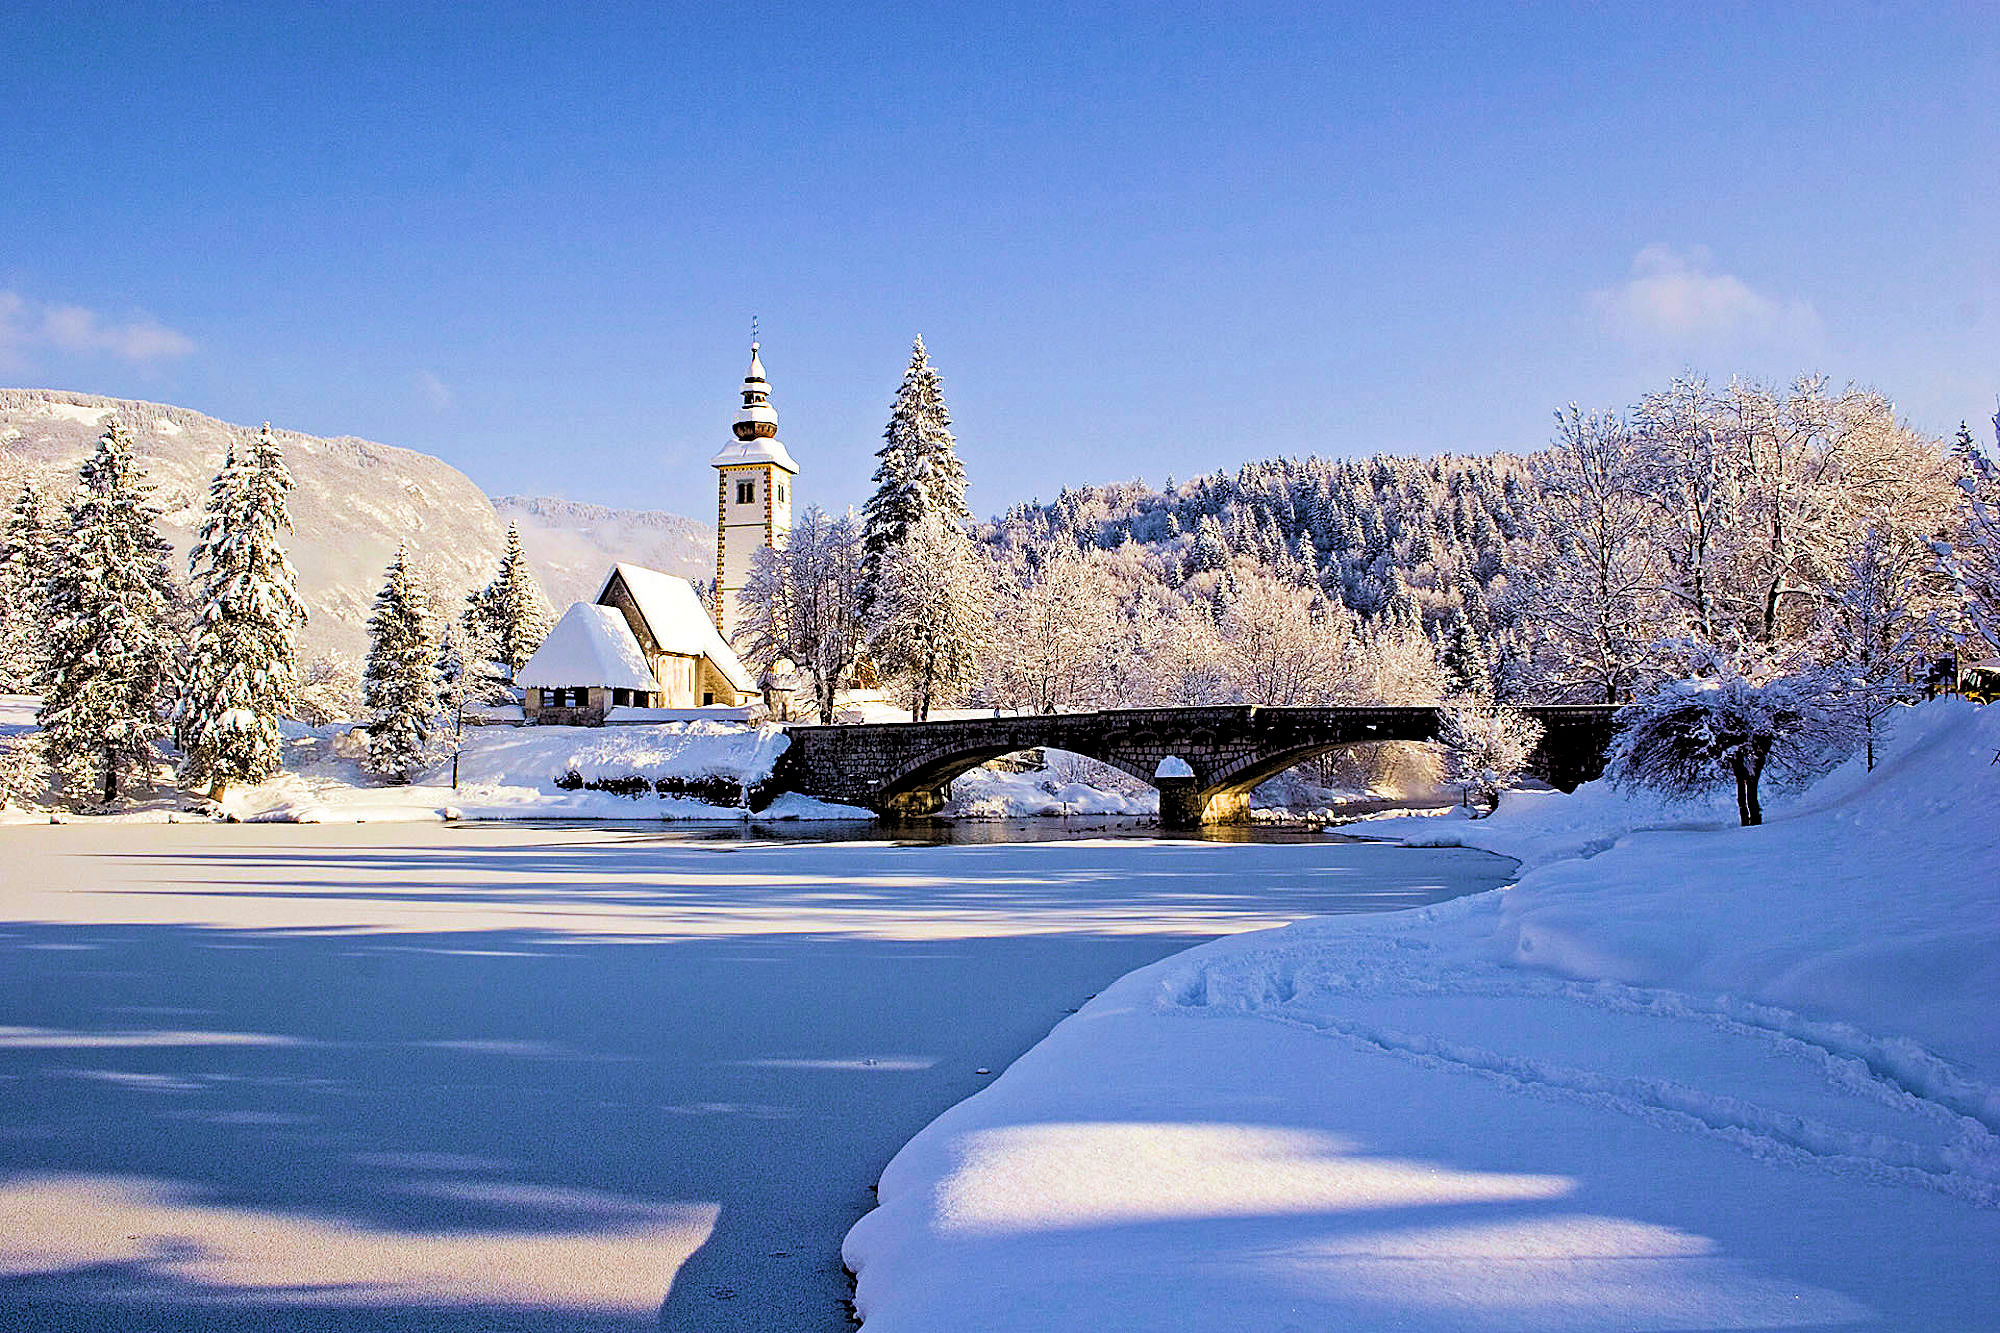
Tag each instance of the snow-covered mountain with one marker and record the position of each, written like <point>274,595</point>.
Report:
<point>572,544</point>
<point>355,501</point>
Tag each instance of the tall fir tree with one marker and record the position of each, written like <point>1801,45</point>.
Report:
<point>111,602</point>
<point>507,619</point>
<point>917,471</point>
<point>400,681</point>
<point>27,559</point>
<point>242,670</point>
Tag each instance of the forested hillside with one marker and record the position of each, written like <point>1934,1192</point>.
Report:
<point>1753,520</point>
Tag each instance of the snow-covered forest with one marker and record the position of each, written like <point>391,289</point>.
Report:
<point>1803,535</point>
<point>1759,521</point>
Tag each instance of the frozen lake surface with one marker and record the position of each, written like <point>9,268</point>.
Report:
<point>477,1078</point>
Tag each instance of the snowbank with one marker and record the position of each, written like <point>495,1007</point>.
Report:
<point>1705,1077</point>
<point>674,752</point>
<point>539,773</point>
<point>986,793</point>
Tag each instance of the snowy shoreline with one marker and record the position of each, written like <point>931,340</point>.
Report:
<point>1680,1074</point>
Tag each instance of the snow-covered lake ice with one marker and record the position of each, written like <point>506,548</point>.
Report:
<point>415,1076</point>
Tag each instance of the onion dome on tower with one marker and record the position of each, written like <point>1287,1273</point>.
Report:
<point>756,425</point>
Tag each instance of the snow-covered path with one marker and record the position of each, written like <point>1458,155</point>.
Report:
<point>486,1078</point>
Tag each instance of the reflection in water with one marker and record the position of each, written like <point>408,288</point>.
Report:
<point>940,832</point>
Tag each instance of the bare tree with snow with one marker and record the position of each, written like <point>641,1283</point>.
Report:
<point>932,612</point>
<point>1593,594</point>
<point>1058,629</point>
<point>1972,557</point>
<point>802,603</point>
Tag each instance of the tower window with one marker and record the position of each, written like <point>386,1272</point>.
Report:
<point>746,491</point>
<point>781,492</point>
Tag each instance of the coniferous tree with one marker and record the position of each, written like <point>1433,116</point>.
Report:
<point>400,680</point>
<point>918,471</point>
<point>242,671</point>
<point>111,600</point>
<point>508,618</point>
<point>27,558</point>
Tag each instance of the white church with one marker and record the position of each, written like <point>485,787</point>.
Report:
<point>646,644</point>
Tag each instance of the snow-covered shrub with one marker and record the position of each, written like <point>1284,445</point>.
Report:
<point>24,773</point>
<point>329,690</point>
<point>1486,746</point>
<point>1692,736</point>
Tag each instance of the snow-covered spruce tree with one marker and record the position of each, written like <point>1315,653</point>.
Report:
<point>507,619</point>
<point>1485,746</point>
<point>400,679</point>
<point>802,603</point>
<point>917,471</point>
<point>1693,736</point>
<point>27,556</point>
<point>932,613</point>
<point>111,599</point>
<point>242,668</point>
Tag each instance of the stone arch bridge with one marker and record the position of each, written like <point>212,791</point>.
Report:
<point>906,768</point>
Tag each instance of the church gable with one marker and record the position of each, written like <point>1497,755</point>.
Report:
<point>617,594</point>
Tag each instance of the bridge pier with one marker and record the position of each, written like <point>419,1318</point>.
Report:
<point>1184,806</point>
<point>913,804</point>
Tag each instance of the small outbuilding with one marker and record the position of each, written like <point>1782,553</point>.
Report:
<point>646,644</point>
<point>589,664</point>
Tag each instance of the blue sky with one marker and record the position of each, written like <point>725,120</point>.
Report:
<point>1139,239</point>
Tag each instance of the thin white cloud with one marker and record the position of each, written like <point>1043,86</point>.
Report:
<point>1675,300</point>
<point>27,327</point>
<point>435,391</point>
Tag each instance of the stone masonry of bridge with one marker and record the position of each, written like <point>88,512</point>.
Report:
<point>906,768</point>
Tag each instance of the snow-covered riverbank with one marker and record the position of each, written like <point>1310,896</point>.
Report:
<point>1694,1077</point>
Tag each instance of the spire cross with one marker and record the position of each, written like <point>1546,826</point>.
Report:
<point>753,330</point>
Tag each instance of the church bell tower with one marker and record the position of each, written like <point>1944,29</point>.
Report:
<point>753,505</point>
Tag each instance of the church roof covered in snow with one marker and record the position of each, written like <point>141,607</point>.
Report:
<point>590,645</point>
<point>678,621</point>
